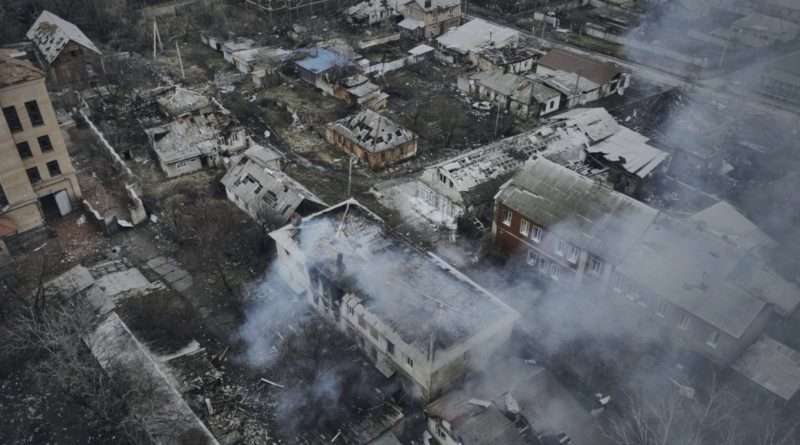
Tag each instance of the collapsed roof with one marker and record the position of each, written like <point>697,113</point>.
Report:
<point>372,131</point>
<point>598,72</point>
<point>50,33</point>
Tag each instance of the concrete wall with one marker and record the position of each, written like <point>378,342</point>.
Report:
<point>179,168</point>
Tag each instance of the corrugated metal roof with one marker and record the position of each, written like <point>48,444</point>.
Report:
<point>477,34</point>
<point>51,34</point>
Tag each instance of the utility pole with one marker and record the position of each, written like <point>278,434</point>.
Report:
<point>157,42</point>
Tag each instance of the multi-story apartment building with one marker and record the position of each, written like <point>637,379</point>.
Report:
<point>702,280</point>
<point>37,179</point>
<point>414,316</point>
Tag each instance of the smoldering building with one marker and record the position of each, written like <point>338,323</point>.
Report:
<point>417,318</point>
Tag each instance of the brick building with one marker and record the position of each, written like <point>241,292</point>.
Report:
<point>373,138</point>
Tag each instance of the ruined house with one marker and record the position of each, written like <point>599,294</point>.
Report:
<point>426,19</point>
<point>509,59</point>
<point>467,183</point>
<point>707,292</point>
<point>512,402</point>
<point>372,12</point>
<point>518,95</point>
<point>196,132</point>
<point>465,43</point>
<point>70,58</point>
<point>231,47</point>
<point>359,90</point>
<point>414,316</point>
<point>266,59</point>
<point>374,139</point>
<point>258,187</point>
<point>580,78</point>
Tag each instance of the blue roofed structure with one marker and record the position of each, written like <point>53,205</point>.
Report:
<point>321,60</point>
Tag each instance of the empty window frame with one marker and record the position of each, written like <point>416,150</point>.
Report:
<point>507,216</point>
<point>33,175</point>
<point>537,233</point>
<point>533,258</point>
<point>44,143</point>
<point>54,169</point>
<point>389,347</point>
<point>684,323</point>
<point>12,118</point>
<point>24,150</point>
<point>595,266</point>
<point>524,227</point>
<point>573,254</point>
<point>34,113</point>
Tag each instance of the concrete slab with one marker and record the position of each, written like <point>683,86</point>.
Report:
<point>128,280</point>
<point>183,284</point>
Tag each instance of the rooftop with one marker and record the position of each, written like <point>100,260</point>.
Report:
<point>577,209</point>
<point>180,101</point>
<point>372,131</point>
<point>184,138</point>
<point>320,60</point>
<point>264,55</point>
<point>14,71</point>
<point>771,365</point>
<point>724,220</point>
<point>598,72</point>
<point>50,33</point>
<point>505,55</point>
<point>435,3</point>
<point>439,304</point>
<point>476,35</point>
<point>474,423</point>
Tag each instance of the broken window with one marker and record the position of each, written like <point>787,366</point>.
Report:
<point>713,339</point>
<point>555,271</point>
<point>44,143</point>
<point>12,118</point>
<point>389,347</point>
<point>661,309</point>
<point>595,266</point>
<point>3,198</point>
<point>684,323</point>
<point>507,215</point>
<point>24,150</point>
<point>524,227</point>
<point>33,175</point>
<point>537,233</point>
<point>573,254</point>
<point>33,113</point>
<point>53,168</point>
<point>561,247</point>
<point>533,258</point>
<point>410,362</point>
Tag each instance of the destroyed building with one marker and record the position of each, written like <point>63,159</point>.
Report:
<point>466,42</point>
<point>509,59</point>
<point>37,180</point>
<point>359,90</point>
<point>521,96</point>
<point>70,58</point>
<point>426,19</point>
<point>416,317</point>
<point>371,12</point>
<point>467,183</point>
<point>703,280</point>
<point>258,187</point>
<point>266,59</point>
<point>580,78</point>
<point>374,139</point>
<point>518,402</point>
<point>196,133</point>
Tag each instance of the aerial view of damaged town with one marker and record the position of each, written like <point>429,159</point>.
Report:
<point>400,222</point>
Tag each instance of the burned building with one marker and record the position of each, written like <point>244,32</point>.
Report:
<point>374,139</point>
<point>258,187</point>
<point>372,12</point>
<point>512,402</point>
<point>510,59</point>
<point>416,317</point>
<point>703,280</point>
<point>70,58</point>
